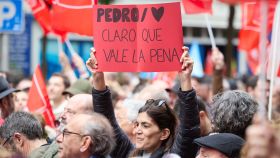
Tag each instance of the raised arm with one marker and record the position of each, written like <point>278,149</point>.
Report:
<point>102,103</point>
<point>218,66</point>
<point>187,67</point>
<point>189,117</point>
<point>66,67</point>
<point>98,81</point>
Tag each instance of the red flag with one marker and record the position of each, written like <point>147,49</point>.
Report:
<point>249,33</point>
<point>208,69</point>
<point>41,13</point>
<point>38,101</point>
<point>197,6</point>
<point>73,16</point>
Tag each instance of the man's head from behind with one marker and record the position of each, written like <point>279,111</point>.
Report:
<point>232,112</point>
<point>19,131</point>
<point>78,104</point>
<point>86,135</point>
<point>219,145</point>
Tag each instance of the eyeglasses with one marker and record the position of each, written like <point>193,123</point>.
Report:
<point>7,140</point>
<point>66,132</point>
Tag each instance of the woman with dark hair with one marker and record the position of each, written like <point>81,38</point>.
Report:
<point>156,129</point>
<point>154,116</point>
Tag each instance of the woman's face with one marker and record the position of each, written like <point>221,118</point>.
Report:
<point>20,101</point>
<point>147,133</point>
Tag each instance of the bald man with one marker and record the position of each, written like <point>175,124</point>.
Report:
<point>78,104</point>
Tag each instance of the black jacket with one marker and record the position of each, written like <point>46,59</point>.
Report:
<point>188,128</point>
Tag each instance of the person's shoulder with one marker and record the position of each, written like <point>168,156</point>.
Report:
<point>39,152</point>
<point>52,151</point>
<point>45,151</point>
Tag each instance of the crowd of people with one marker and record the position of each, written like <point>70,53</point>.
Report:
<point>120,115</point>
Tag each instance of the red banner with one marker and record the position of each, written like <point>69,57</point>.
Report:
<point>197,6</point>
<point>38,101</point>
<point>42,14</point>
<point>131,38</point>
<point>249,33</point>
<point>74,16</point>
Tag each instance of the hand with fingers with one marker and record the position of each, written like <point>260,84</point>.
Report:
<point>64,61</point>
<point>80,65</point>
<point>217,59</point>
<point>187,67</point>
<point>98,81</point>
<point>92,62</point>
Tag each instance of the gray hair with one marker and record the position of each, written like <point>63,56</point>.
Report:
<point>101,132</point>
<point>24,123</point>
<point>232,112</point>
<point>133,106</point>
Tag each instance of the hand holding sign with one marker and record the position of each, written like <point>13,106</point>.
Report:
<point>92,62</point>
<point>98,81</point>
<point>187,67</point>
<point>134,38</point>
<point>187,62</point>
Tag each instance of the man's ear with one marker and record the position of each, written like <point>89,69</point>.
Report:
<point>85,143</point>
<point>18,139</point>
<point>164,134</point>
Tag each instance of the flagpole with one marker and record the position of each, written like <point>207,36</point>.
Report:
<point>275,42</point>
<point>70,47</point>
<point>262,46</point>
<point>210,31</point>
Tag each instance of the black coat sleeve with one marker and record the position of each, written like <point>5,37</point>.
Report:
<point>102,103</point>
<point>189,128</point>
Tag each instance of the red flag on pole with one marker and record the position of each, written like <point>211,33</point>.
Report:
<point>38,101</point>
<point>73,16</point>
<point>250,32</point>
<point>197,6</point>
<point>41,13</point>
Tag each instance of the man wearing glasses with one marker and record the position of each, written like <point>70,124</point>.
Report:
<point>86,136</point>
<point>22,133</point>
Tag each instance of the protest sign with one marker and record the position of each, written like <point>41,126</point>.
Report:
<point>134,38</point>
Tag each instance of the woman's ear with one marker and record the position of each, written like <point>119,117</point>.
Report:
<point>165,133</point>
<point>85,144</point>
<point>202,115</point>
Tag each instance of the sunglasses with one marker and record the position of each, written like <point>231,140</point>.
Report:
<point>160,103</point>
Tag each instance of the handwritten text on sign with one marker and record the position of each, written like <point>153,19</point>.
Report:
<point>132,38</point>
